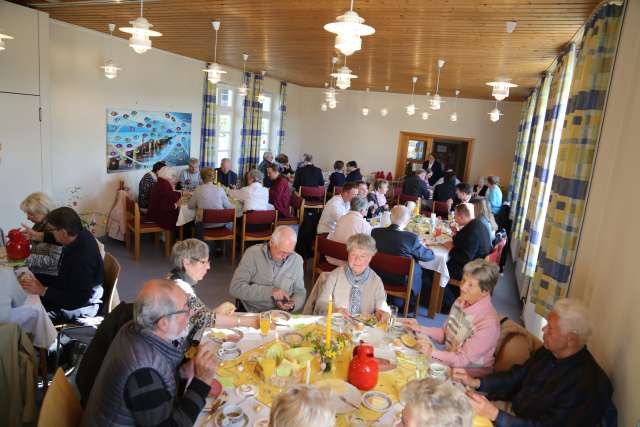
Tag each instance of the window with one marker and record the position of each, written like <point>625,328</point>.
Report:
<point>265,125</point>
<point>224,122</point>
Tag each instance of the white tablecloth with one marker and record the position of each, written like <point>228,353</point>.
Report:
<point>187,214</point>
<point>438,263</point>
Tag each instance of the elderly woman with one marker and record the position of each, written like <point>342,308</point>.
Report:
<point>164,203</point>
<point>302,406</point>
<point>209,196</point>
<point>45,251</point>
<point>378,197</point>
<point>254,195</point>
<point>146,185</point>
<point>430,402</point>
<point>190,258</point>
<point>355,288</point>
<point>471,332</point>
<point>494,194</point>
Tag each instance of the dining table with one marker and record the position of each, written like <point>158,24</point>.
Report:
<point>243,385</point>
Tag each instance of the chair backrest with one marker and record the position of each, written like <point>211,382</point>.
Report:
<point>496,253</point>
<point>261,217</point>
<point>404,198</point>
<point>515,345</point>
<point>333,249</point>
<point>111,274</point>
<point>392,264</point>
<point>337,190</point>
<point>314,192</point>
<point>60,407</point>
<point>218,216</point>
<point>441,208</point>
<point>130,211</point>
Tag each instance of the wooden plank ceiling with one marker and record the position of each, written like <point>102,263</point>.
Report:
<point>286,38</point>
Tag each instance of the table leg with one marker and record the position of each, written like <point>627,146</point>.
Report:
<point>43,368</point>
<point>437,294</point>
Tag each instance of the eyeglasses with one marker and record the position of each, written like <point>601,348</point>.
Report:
<point>185,310</point>
<point>202,261</point>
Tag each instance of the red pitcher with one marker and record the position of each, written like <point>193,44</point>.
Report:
<point>363,369</point>
<point>17,246</point>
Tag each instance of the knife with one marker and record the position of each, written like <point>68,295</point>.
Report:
<point>348,402</point>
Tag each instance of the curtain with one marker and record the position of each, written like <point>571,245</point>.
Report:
<point>522,145</point>
<point>537,125</point>
<point>283,110</point>
<point>208,128</point>
<point>546,162</point>
<point>251,126</point>
<point>576,157</point>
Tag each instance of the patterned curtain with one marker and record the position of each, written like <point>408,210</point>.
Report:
<point>251,125</point>
<point>283,111</point>
<point>576,157</point>
<point>522,145</point>
<point>546,162</point>
<point>537,125</point>
<point>208,128</point>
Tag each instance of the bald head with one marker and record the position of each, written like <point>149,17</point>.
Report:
<point>400,216</point>
<point>157,298</point>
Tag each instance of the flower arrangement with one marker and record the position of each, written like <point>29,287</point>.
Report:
<point>327,353</point>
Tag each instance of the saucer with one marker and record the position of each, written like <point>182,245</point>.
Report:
<point>228,356</point>
<point>246,390</point>
<point>243,422</point>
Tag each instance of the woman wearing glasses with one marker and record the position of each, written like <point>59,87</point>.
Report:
<point>190,258</point>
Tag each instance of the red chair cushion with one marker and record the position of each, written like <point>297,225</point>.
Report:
<point>218,216</point>
<point>324,265</point>
<point>260,217</point>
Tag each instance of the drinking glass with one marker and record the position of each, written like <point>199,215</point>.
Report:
<point>422,366</point>
<point>393,315</point>
<point>265,323</point>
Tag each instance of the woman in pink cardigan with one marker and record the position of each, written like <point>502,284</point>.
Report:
<point>471,331</point>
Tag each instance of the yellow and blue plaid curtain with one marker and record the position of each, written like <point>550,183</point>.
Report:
<point>251,126</point>
<point>546,162</point>
<point>208,142</point>
<point>283,111</point>
<point>537,126</point>
<point>522,146</point>
<point>576,157</point>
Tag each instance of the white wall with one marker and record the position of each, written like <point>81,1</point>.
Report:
<point>345,134</point>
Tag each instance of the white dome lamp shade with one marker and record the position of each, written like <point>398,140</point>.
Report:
<point>435,103</point>
<point>4,37</point>
<point>411,108</point>
<point>500,89</point>
<point>349,28</point>
<point>110,68</point>
<point>454,116</point>
<point>214,70</point>
<point>494,115</point>
<point>384,111</point>
<point>140,40</point>
<point>243,89</point>
<point>344,76</point>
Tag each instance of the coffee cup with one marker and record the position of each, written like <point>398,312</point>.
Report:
<point>437,370</point>
<point>229,347</point>
<point>231,415</point>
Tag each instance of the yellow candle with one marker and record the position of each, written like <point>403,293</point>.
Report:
<point>416,211</point>
<point>329,311</point>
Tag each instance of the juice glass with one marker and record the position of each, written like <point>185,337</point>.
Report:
<point>265,323</point>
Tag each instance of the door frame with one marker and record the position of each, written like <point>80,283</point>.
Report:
<point>403,144</point>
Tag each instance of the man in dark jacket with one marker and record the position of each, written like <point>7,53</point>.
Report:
<point>435,167</point>
<point>560,385</point>
<point>417,185</point>
<point>393,240</point>
<point>226,176</point>
<point>353,172</point>
<point>446,190</point>
<point>308,175</point>
<point>77,289</point>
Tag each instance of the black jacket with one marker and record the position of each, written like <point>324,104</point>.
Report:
<point>472,242</point>
<point>308,176</point>
<point>81,269</point>
<point>354,176</point>
<point>436,169</point>
<point>414,186</point>
<point>228,179</point>
<point>336,179</point>
<point>445,191</point>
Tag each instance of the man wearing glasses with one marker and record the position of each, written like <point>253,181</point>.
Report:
<point>139,381</point>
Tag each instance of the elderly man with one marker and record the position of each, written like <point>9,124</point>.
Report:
<point>279,193</point>
<point>433,403</point>
<point>394,240</point>
<point>267,159</point>
<point>190,177</point>
<point>560,385</point>
<point>138,381</point>
<point>308,175</point>
<point>336,207</point>
<point>77,289</point>
<point>226,176</point>
<point>270,275</point>
<point>353,222</point>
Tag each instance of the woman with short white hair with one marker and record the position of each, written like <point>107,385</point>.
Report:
<point>302,406</point>
<point>254,196</point>
<point>45,251</point>
<point>433,403</point>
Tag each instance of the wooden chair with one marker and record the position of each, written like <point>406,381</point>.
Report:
<point>337,190</point>
<point>269,217</point>
<point>221,216</point>
<point>398,266</point>
<point>404,198</point>
<point>496,253</point>
<point>138,227</point>
<point>296,209</point>
<point>393,195</point>
<point>111,273</point>
<point>323,248</point>
<point>60,407</point>
<point>314,197</point>
<point>441,209</point>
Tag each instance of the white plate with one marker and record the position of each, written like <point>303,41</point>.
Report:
<point>280,316</point>
<point>228,356</point>
<point>376,394</point>
<point>341,388</point>
<point>212,332</point>
<point>242,423</point>
<point>246,390</point>
<point>372,336</point>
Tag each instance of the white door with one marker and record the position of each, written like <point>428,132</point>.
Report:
<point>20,155</point>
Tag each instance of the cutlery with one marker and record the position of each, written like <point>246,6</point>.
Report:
<point>348,402</point>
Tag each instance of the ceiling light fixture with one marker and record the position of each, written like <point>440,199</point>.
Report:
<point>140,33</point>
<point>411,108</point>
<point>348,29</point>
<point>365,109</point>
<point>243,89</point>
<point>511,26</point>
<point>494,115</point>
<point>109,67</point>
<point>500,88</point>
<point>436,101</point>
<point>425,115</point>
<point>383,110</point>
<point>214,70</point>
<point>323,107</point>
<point>344,76</point>
<point>454,116</point>
<point>262,98</point>
<point>2,38</point>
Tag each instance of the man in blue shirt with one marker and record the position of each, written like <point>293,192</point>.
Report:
<point>226,176</point>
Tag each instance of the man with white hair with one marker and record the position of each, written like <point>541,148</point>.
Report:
<point>394,240</point>
<point>353,222</point>
<point>267,159</point>
<point>270,275</point>
<point>560,385</point>
<point>433,403</point>
<point>190,177</point>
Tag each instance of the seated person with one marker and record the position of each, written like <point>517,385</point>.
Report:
<point>267,159</point>
<point>480,189</point>
<point>471,331</point>
<point>336,207</point>
<point>447,189</point>
<point>226,176</point>
<point>44,257</point>
<point>146,185</point>
<point>433,403</point>
<point>302,406</point>
<point>482,211</point>
<point>164,203</point>
<point>378,197</point>
<point>394,240</point>
<point>337,178</point>
<point>353,172</point>
<point>77,289</point>
<point>279,193</point>
<point>209,196</point>
<point>254,195</point>
<point>353,222</point>
<point>464,192</point>
<point>494,194</point>
<point>355,288</point>
<point>11,294</point>
<point>308,175</point>
<point>417,185</point>
<point>560,385</point>
<point>270,275</point>
<point>190,177</point>
<point>284,167</point>
<point>141,368</point>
